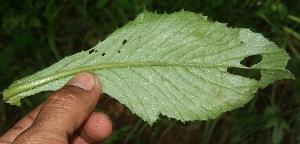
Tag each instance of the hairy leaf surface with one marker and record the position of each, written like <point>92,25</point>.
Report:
<point>170,64</point>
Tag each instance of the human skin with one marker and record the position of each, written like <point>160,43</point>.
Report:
<point>66,116</point>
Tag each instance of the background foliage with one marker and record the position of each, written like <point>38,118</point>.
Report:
<point>35,34</point>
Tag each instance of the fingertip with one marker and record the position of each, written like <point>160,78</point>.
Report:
<point>85,80</point>
<point>97,128</point>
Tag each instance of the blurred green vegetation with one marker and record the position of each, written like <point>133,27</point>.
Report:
<point>35,34</point>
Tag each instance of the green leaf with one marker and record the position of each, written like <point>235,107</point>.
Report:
<point>170,64</point>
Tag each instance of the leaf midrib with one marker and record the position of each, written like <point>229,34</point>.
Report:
<point>25,86</point>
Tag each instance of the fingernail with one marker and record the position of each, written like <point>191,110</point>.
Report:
<point>83,80</point>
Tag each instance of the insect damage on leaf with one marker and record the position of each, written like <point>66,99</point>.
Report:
<point>248,62</point>
<point>179,65</point>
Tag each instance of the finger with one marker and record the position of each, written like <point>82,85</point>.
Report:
<point>76,139</point>
<point>95,129</point>
<point>64,111</point>
<point>20,126</point>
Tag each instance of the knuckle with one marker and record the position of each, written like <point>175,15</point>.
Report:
<point>67,96</point>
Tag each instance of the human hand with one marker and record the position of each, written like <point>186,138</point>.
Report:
<point>66,116</point>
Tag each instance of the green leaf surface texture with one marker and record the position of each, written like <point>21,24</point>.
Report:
<point>170,64</point>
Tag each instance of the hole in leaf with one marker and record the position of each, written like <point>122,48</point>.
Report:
<point>241,42</point>
<point>119,51</point>
<point>103,54</point>
<point>247,73</point>
<point>124,42</point>
<point>251,60</point>
<point>92,50</point>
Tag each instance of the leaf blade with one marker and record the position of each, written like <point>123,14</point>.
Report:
<point>170,64</point>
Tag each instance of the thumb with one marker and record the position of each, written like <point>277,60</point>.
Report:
<point>64,111</point>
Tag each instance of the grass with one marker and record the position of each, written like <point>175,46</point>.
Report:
<point>36,34</point>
